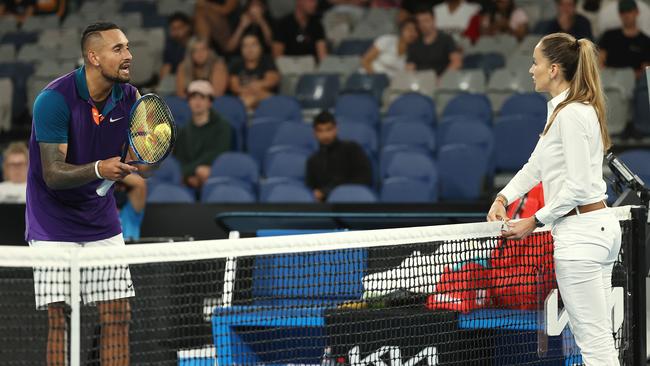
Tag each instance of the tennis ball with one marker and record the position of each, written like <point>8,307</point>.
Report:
<point>162,132</point>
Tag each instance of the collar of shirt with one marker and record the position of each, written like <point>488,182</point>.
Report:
<point>553,103</point>
<point>82,90</point>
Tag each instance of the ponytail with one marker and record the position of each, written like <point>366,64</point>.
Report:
<point>579,64</point>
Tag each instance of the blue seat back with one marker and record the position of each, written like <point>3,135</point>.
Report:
<point>361,133</point>
<point>407,190</point>
<point>236,165</point>
<point>641,117</point>
<point>261,133</point>
<point>515,139</point>
<point>288,192</point>
<point>413,165</point>
<point>227,193</point>
<point>180,109</point>
<point>169,171</point>
<point>333,275</point>
<point>265,186</point>
<point>472,105</point>
<point>375,84</point>
<point>286,161</point>
<point>413,134</point>
<point>280,107</point>
<point>295,134</point>
<point>352,193</point>
<point>463,169</point>
<point>317,91</point>
<point>524,104</point>
<point>234,111</point>
<point>353,47</point>
<point>358,107</point>
<point>415,105</point>
<point>169,193</point>
<point>638,160</point>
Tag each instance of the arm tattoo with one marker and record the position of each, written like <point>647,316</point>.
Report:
<point>60,175</point>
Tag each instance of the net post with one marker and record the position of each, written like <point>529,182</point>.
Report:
<point>75,309</point>
<point>637,277</point>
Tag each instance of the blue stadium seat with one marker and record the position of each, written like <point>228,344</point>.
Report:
<point>525,104</point>
<point>236,165</point>
<point>234,111</point>
<point>375,84</point>
<point>317,91</point>
<point>180,109</point>
<point>138,6</point>
<point>468,104</point>
<point>417,106</point>
<point>407,190</point>
<point>389,151</point>
<point>227,192</point>
<point>169,171</point>
<point>466,131</point>
<point>169,193</point>
<point>463,169</point>
<point>265,186</point>
<point>288,193</point>
<point>413,134</point>
<point>515,139</point>
<point>413,164</point>
<point>638,160</point>
<point>19,38</point>
<point>641,114</point>
<point>261,133</point>
<point>353,47</point>
<point>352,193</point>
<point>360,133</point>
<point>358,107</point>
<point>286,161</point>
<point>281,107</point>
<point>295,134</point>
<point>487,62</point>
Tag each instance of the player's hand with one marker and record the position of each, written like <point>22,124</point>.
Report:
<point>520,229</point>
<point>497,212</point>
<point>114,169</point>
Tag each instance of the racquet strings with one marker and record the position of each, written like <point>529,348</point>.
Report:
<point>150,113</point>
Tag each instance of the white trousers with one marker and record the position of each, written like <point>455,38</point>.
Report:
<point>586,247</point>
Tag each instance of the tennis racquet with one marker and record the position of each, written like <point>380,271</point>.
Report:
<point>151,134</point>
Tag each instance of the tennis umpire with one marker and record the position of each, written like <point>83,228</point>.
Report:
<point>568,160</point>
<point>79,127</point>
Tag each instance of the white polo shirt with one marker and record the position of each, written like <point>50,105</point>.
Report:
<point>456,22</point>
<point>568,160</point>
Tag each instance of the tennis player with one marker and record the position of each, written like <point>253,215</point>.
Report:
<point>79,127</point>
<point>568,160</point>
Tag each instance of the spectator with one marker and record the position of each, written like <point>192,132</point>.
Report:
<point>205,137</point>
<point>201,63</point>
<point>569,21</point>
<point>15,159</point>
<point>131,197</point>
<point>503,17</point>
<point>255,19</point>
<point>180,32</point>
<point>453,16</point>
<point>434,50</point>
<point>336,162</point>
<point>608,17</point>
<point>627,46</point>
<point>254,75</point>
<point>212,20</point>
<point>301,33</point>
<point>20,10</point>
<point>388,54</point>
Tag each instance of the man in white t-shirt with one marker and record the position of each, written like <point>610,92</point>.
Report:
<point>453,16</point>
<point>14,171</point>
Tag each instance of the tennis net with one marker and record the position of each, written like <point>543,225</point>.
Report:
<point>441,295</point>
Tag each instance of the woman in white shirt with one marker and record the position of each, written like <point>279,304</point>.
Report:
<point>388,54</point>
<point>568,161</point>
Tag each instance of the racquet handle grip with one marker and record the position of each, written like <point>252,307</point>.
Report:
<point>104,187</point>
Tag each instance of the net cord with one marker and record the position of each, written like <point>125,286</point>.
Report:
<point>12,256</point>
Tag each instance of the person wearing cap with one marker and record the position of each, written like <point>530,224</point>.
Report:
<point>627,46</point>
<point>203,138</point>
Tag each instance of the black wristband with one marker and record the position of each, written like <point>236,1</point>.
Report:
<point>537,222</point>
